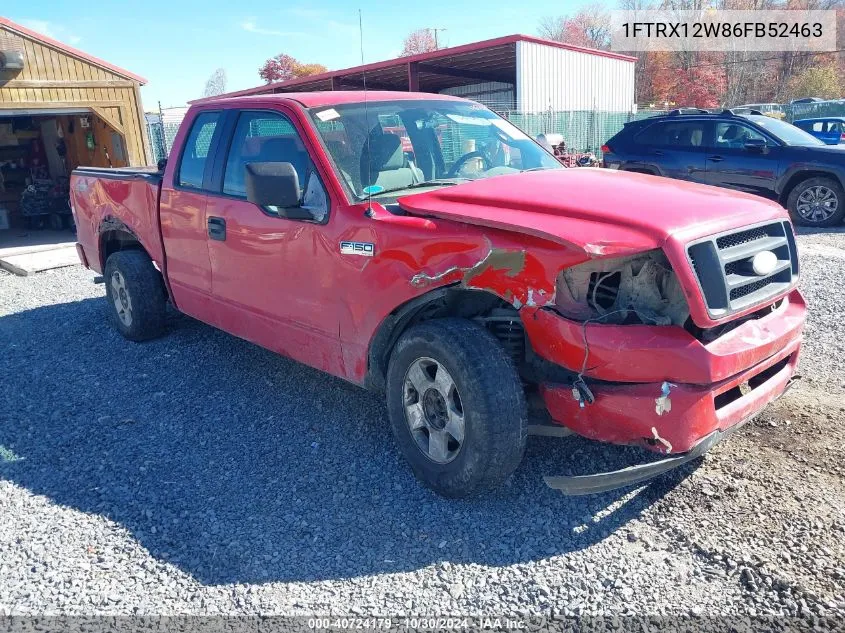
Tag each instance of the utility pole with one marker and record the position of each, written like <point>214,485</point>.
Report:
<point>436,45</point>
<point>163,133</point>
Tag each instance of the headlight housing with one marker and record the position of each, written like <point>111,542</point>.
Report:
<point>640,288</point>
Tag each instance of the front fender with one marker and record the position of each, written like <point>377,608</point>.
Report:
<point>796,169</point>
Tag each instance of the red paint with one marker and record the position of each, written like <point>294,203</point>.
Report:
<point>647,353</point>
<point>625,413</point>
<point>284,284</point>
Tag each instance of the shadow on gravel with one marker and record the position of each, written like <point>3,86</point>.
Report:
<point>238,465</point>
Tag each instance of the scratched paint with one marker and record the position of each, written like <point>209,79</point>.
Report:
<point>510,261</point>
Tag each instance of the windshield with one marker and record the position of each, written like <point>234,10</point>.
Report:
<point>384,149</point>
<point>785,132</point>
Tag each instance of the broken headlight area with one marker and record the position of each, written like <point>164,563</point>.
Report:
<point>638,289</point>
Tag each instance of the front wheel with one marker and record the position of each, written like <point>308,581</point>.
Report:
<point>817,202</point>
<point>456,406</point>
<point>135,295</point>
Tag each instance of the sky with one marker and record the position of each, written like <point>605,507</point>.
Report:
<point>177,45</point>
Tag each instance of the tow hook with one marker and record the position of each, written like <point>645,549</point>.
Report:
<point>581,392</point>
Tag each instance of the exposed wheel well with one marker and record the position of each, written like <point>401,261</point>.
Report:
<point>498,316</point>
<point>800,177</point>
<point>116,240</point>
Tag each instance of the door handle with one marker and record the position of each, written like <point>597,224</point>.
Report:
<point>217,228</point>
<point>657,152</point>
<point>715,159</point>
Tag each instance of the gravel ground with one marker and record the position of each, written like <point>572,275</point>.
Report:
<point>199,474</point>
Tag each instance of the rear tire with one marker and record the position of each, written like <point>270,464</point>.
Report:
<point>450,378</point>
<point>135,295</point>
<point>817,202</point>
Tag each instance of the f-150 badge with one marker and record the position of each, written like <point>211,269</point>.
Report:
<point>366,249</point>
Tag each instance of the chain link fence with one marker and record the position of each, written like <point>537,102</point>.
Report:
<point>815,110</point>
<point>582,131</point>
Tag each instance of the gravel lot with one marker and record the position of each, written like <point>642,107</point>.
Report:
<point>199,474</point>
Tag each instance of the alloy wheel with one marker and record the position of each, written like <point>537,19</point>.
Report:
<point>434,410</point>
<point>121,299</point>
<point>817,204</point>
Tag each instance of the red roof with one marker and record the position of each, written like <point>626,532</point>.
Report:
<point>483,57</point>
<point>69,50</point>
<point>337,97</point>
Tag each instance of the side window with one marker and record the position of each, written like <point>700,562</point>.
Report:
<point>818,126</point>
<point>674,134</point>
<point>269,137</point>
<point>730,135</point>
<point>195,154</point>
<point>263,137</point>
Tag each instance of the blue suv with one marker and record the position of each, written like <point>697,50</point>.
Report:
<point>830,130</point>
<point>748,152</point>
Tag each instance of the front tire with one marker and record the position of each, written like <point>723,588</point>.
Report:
<point>456,406</point>
<point>817,202</point>
<point>135,295</point>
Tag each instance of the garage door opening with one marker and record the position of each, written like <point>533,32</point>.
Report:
<point>38,151</point>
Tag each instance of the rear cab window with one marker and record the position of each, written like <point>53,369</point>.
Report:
<point>195,154</point>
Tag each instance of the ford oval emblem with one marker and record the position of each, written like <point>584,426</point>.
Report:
<point>764,262</point>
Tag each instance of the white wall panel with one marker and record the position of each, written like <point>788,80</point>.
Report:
<point>560,79</point>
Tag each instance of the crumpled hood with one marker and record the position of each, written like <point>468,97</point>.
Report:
<point>600,211</point>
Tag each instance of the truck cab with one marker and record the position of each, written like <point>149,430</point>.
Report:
<point>422,246</point>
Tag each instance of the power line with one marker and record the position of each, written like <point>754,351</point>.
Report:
<point>752,61</point>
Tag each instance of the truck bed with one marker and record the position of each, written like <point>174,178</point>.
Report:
<point>121,173</point>
<point>107,202</point>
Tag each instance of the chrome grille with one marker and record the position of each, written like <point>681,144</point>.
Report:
<point>723,266</point>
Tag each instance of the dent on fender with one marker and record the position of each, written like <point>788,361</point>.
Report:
<point>506,272</point>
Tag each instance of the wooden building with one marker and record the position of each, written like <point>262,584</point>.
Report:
<point>61,108</point>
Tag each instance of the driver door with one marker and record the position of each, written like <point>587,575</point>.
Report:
<point>730,164</point>
<point>271,275</point>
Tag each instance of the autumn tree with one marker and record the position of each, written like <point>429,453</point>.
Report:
<point>216,84</point>
<point>283,67</point>
<point>590,27</point>
<point>701,85</point>
<point>822,81</point>
<point>419,41</point>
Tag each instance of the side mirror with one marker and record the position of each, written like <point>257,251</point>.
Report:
<point>272,185</point>
<point>757,145</point>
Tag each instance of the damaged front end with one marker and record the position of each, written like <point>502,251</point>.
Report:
<point>623,290</point>
<point>644,374</point>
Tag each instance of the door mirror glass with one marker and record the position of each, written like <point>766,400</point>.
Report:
<point>755,144</point>
<point>272,184</point>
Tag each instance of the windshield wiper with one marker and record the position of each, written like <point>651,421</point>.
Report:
<point>438,182</point>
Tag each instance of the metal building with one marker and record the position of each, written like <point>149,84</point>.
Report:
<point>516,73</point>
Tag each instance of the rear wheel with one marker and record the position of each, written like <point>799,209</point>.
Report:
<point>817,202</point>
<point>456,406</point>
<point>135,295</point>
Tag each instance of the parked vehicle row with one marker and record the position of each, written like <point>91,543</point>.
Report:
<point>747,152</point>
<point>465,284</point>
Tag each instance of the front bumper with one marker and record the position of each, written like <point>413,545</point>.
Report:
<point>660,387</point>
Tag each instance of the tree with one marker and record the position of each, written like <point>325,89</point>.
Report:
<point>419,41</point>
<point>590,27</point>
<point>283,67</point>
<point>700,86</point>
<point>822,81</point>
<point>216,84</point>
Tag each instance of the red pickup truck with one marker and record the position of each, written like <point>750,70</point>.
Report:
<point>422,246</point>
